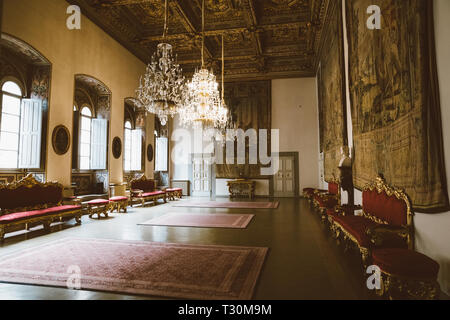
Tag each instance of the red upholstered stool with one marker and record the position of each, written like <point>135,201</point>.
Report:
<point>98,206</point>
<point>406,274</point>
<point>173,193</point>
<point>118,203</point>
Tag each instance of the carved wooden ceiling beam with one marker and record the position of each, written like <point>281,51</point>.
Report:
<point>117,3</point>
<point>253,27</point>
<point>188,24</point>
<point>263,38</point>
<point>298,54</point>
<point>216,32</point>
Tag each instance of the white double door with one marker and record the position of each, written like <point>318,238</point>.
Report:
<point>201,175</point>
<point>284,179</point>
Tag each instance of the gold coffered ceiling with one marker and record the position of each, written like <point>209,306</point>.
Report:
<point>263,38</point>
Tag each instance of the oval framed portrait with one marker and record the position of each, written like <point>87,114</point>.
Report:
<point>150,152</point>
<point>61,140</point>
<point>117,147</point>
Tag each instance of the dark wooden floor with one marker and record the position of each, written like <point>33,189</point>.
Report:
<point>304,262</point>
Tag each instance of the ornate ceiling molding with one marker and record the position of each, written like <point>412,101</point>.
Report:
<point>264,38</point>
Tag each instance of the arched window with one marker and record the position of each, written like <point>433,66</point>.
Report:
<point>132,148</point>
<point>85,138</point>
<point>20,129</point>
<point>127,146</point>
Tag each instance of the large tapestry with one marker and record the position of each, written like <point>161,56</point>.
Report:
<point>250,106</point>
<point>394,92</point>
<point>332,102</point>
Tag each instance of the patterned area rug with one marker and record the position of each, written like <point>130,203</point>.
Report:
<point>236,221</point>
<point>137,267</point>
<point>229,205</point>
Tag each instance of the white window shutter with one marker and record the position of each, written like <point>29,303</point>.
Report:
<point>161,154</point>
<point>99,144</point>
<point>30,134</point>
<point>136,151</point>
<point>127,150</point>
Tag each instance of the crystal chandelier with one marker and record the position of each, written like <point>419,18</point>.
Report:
<point>203,106</point>
<point>161,89</point>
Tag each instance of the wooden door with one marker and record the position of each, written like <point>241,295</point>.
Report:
<point>201,175</point>
<point>284,180</point>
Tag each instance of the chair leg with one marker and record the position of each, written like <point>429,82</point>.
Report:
<point>2,234</point>
<point>46,225</point>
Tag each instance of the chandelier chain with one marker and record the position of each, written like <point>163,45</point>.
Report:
<point>203,33</point>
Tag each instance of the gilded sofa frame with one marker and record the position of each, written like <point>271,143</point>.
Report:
<point>378,233</point>
<point>322,211</point>
<point>29,181</point>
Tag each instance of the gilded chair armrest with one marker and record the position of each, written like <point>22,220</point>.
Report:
<point>347,210</point>
<point>381,235</point>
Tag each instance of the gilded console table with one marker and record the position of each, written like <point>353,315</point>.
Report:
<point>241,187</point>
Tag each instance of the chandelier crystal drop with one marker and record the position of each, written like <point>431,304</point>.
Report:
<point>202,105</point>
<point>161,89</point>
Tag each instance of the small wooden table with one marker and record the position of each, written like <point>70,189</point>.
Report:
<point>241,187</point>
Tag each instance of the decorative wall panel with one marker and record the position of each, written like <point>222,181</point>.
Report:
<point>395,100</point>
<point>250,106</point>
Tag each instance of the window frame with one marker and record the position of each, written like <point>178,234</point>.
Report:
<point>20,97</point>
<point>132,128</point>
<point>80,130</point>
<point>157,153</point>
<point>125,145</point>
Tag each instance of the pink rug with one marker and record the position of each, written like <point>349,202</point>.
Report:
<point>236,221</point>
<point>229,205</point>
<point>137,267</point>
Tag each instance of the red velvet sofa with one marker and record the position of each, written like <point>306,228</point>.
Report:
<point>28,202</point>
<point>384,235</point>
<point>386,220</point>
<point>326,200</point>
<point>144,190</point>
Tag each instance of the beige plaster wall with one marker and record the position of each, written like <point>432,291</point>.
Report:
<point>295,114</point>
<point>89,51</point>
